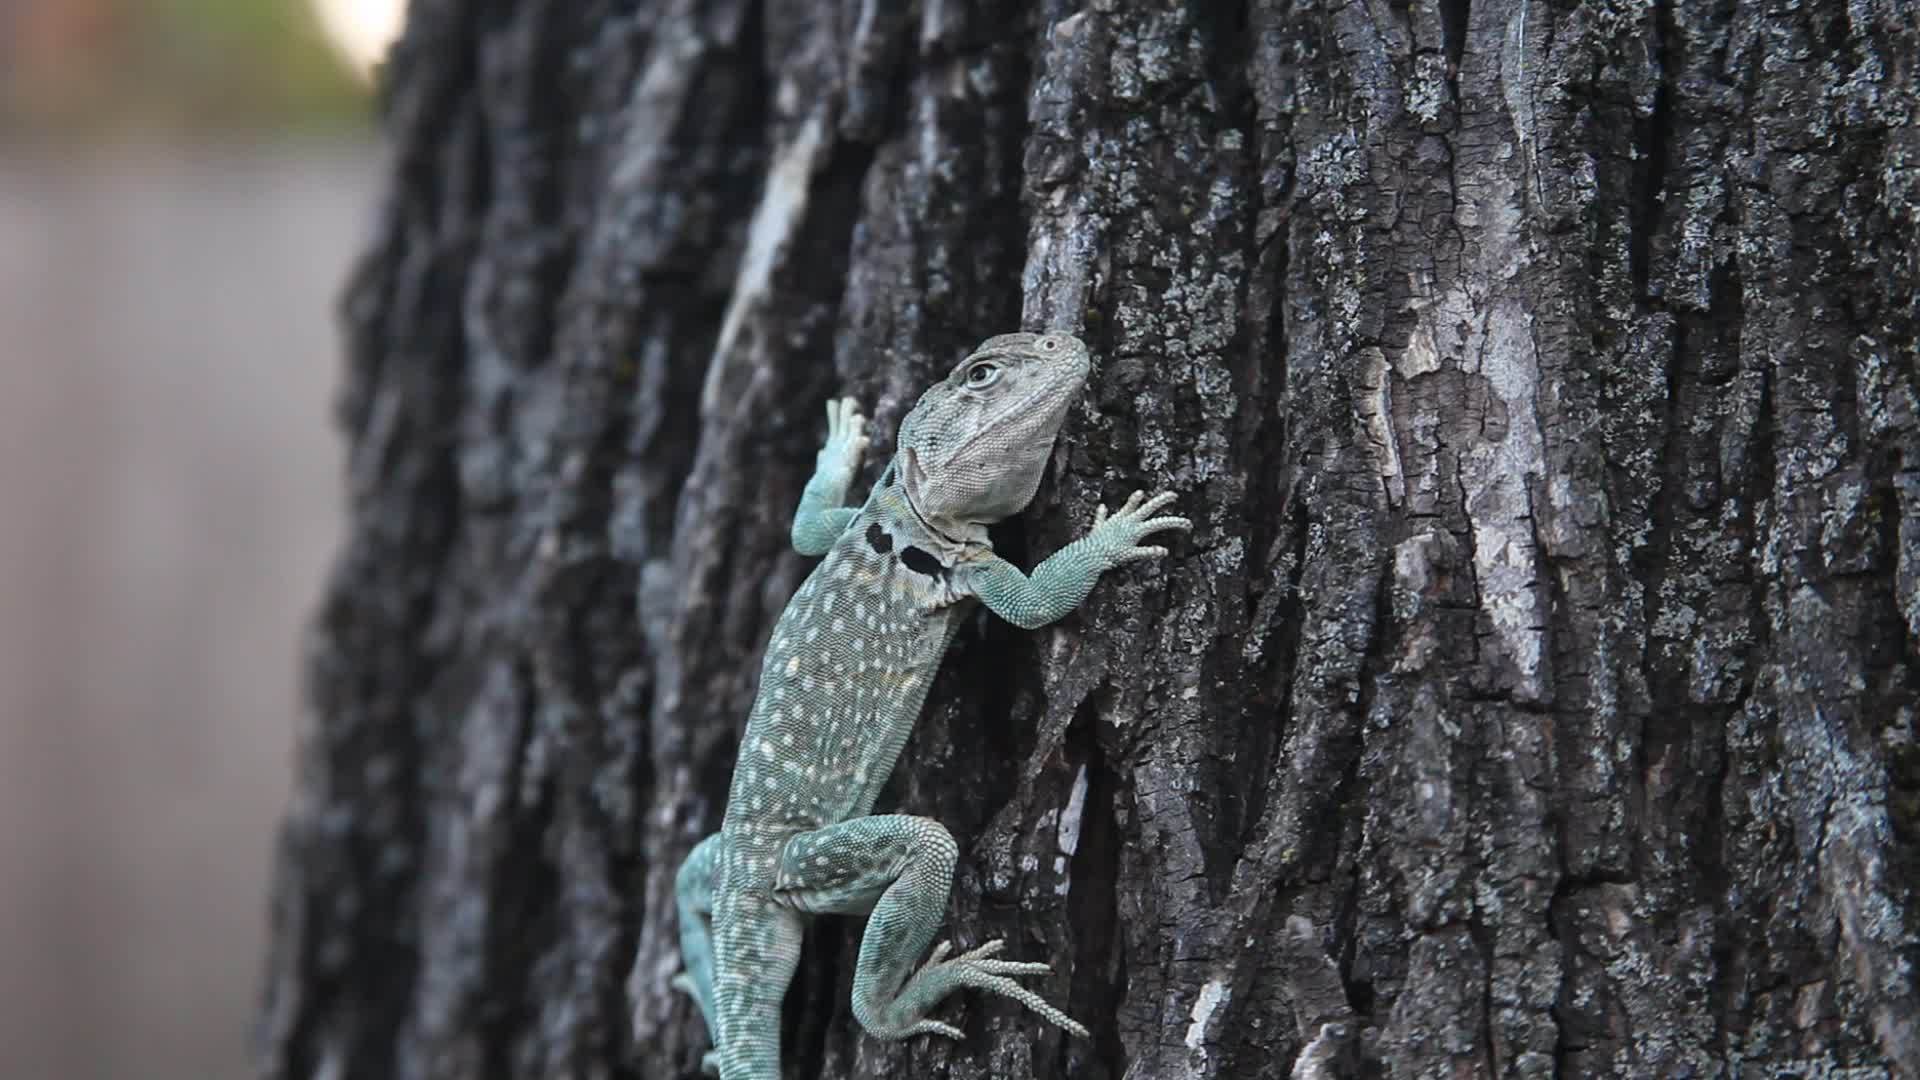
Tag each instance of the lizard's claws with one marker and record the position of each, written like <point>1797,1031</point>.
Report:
<point>846,434</point>
<point>844,422</point>
<point>978,969</point>
<point>1125,528</point>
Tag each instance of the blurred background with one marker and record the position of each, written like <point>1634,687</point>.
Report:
<point>182,186</point>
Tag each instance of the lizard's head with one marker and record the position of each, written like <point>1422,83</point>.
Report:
<point>973,449</point>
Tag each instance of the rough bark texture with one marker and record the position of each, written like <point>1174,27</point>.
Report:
<point>1535,696</point>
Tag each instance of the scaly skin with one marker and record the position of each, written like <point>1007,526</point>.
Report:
<point>843,681</point>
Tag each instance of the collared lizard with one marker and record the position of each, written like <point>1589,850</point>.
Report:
<point>845,673</point>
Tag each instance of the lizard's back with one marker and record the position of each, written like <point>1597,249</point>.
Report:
<point>846,672</point>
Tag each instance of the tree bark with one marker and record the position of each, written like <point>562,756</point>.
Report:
<point>1536,694</point>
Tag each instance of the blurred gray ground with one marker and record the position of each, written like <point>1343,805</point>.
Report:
<point>169,500</point>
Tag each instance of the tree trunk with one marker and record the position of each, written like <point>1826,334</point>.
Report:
<point>1536,694</point>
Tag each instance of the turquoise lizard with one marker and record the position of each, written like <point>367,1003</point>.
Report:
<point>845,674</point>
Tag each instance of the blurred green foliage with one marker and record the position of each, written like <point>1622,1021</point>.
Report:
<point>173,67</point>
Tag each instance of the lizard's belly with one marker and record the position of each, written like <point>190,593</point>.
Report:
<point>845,674</point>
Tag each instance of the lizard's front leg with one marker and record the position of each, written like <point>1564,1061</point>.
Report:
<point>822,517</point>
<point>900,869</point>
<point>1063,581</point>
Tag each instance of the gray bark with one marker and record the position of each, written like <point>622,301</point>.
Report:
<point>1535,696</point>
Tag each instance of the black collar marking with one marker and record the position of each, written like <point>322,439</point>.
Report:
<point>921,562</point>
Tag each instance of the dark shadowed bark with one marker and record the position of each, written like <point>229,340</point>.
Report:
<point>1536,694</point>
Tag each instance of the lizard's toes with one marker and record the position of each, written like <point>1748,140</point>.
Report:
<point>991,948</point>
<point>1148,508</point>
<point>1013,967</point>
<point>1009,989</point>
<point>935,1027</point>
<point>843,418</point>
<point>710,1063</point>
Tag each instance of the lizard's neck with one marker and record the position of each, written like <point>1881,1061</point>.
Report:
<point>947,540</point>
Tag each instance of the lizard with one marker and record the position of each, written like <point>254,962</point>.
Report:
<point>844,675</point>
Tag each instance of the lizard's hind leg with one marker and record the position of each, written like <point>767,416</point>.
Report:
<point>899,869</point>
<point>693,895</point>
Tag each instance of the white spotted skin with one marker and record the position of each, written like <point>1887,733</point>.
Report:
<point>883,631</point>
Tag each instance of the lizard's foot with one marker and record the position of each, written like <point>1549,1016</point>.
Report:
<point>846,437</point>
<point>977,969</point>
<point>683,982</point>
<point>1120,535</point>
<point>690,986</point>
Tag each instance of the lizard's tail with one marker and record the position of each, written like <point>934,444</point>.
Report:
<point>751,1050</point>
<point>756,948</point>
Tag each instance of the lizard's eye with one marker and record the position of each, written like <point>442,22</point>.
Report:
<point>982,375</point>
<point>1048,344</point>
